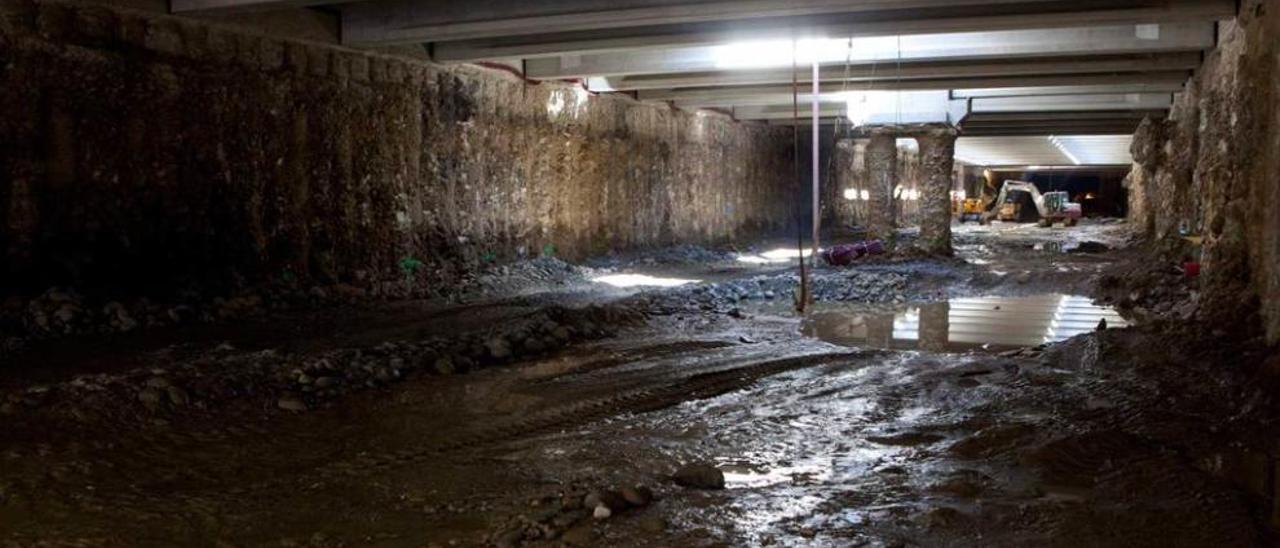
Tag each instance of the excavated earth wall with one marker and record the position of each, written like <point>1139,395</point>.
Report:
<point>1213,169</point>
<point>146,153</point>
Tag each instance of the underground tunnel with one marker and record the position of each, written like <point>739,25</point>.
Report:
<point>331,273</point>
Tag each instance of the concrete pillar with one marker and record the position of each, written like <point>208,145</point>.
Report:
<point>850,165</point>
<point>882,172</point>
<point>937,159</point>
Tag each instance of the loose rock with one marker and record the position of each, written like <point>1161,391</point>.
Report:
<point>700,476</point>
<point>602,512</point>
<point>638,496</point>
<point>291,403</point>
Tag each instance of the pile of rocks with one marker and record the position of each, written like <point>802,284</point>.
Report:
<point>685,254</point>
<point>301,382</point>
<point>64,311</point>
<point>61,311</point>
<point>567,516</point>
<point>538,274</point>
<point>840,285</point>
<point>1150,286</point>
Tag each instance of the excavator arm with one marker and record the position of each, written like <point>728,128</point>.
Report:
<point>1024,186</point>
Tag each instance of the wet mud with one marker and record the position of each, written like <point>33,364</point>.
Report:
<point>980,404</point>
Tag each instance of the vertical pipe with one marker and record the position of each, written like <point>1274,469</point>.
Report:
<point>817,215</point>
<point>802,298</point>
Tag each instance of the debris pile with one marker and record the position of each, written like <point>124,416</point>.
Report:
<point>300,382</point>
<point>1151,285</point>
<point>538,274</point>
<point>567,516</point>
<point>840,285</point>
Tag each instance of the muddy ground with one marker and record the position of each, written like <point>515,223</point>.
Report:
<point>920,402</point>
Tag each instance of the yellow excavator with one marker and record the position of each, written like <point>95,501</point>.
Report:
<point>1053,207</point>
<point>970,209</point>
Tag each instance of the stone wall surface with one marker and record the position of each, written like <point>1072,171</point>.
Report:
<point>1217,173</point>
<point>141,151</point>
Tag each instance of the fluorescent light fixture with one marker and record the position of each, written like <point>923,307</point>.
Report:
<point>779,53</point>
<point>1062,147</point>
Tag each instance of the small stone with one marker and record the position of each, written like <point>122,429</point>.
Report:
<point>499,348</point>
<point>178,396</point>
<point>510,538</point>
<point>562,333</point>
<point>570,503</point>
<point>736,313</point>
<point>746,340</point>
<point>444,366</point>
<point>602,512</point>
<point>157,382</point>
<point>534,344</point>
<point>326,382</point>
<point>304,379</point>
<point>577,536</point>
<point>638,496</point>
<point>653,524</point>
<point>291,403</point>
<point>700,476</point>
<point>151,396</point>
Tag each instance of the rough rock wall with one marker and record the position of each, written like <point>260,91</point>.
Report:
<point>139,150</point>
<point>1148,157</point>
<point>1218,171</point>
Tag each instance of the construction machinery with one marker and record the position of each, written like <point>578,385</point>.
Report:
<point>970,209</point>
<point>1053,207</point>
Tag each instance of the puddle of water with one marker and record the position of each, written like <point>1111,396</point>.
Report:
<point>964,324</point>
<point>641,280</point>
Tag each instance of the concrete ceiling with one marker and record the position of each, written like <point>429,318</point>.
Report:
<point>1009,67</point>
<point>1040,150</point>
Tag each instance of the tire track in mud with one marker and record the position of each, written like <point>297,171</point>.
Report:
<point>145,497</point>
<point>639,400</point>
<point>147,460</point>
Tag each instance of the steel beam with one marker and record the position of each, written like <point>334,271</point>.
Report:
<point>1171,86</point>
<point>1054,103</point>
<point>916,70</point>
<point>440,20</point>
<point>994,118</point>
<point>241,6</point>
<point>770,94</point>
<point>978,46</point>
<point>781,111</point>
<point>1052,129</point>
<point>1035,15</point>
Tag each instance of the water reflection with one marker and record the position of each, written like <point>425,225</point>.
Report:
<point>963,324</point>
